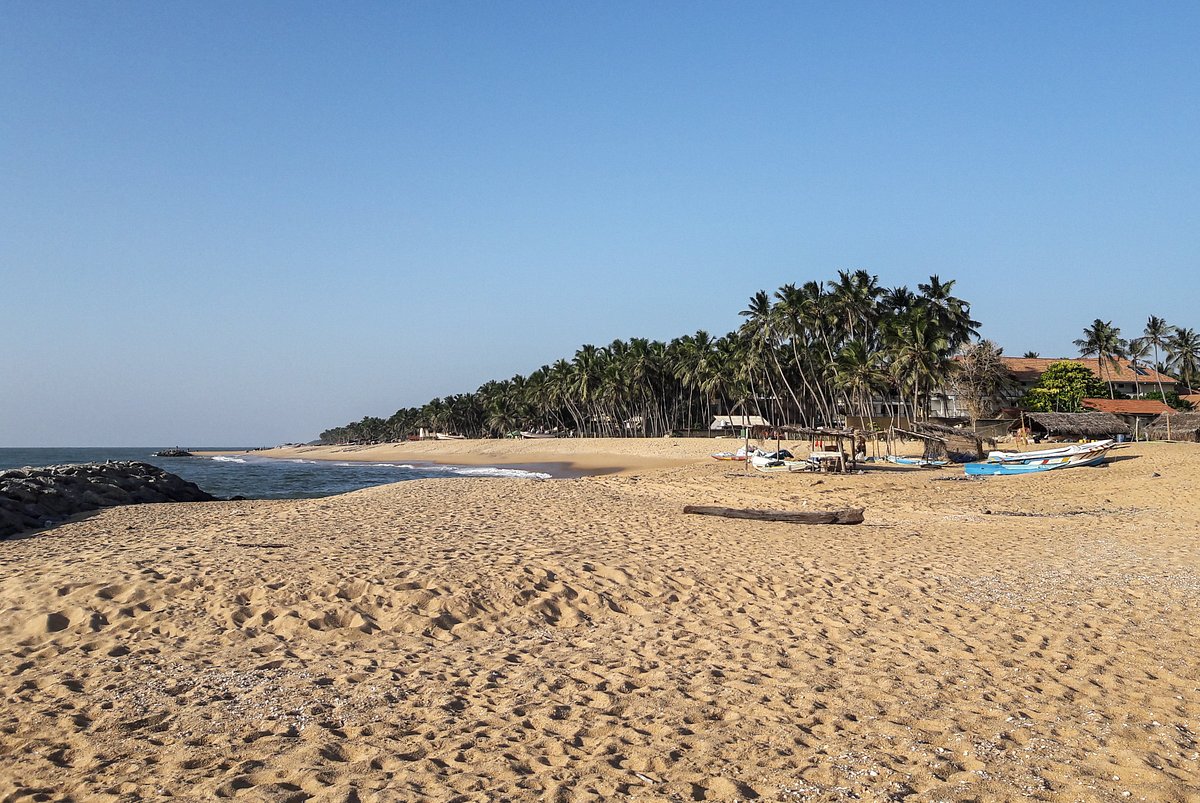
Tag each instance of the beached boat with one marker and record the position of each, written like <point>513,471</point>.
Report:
<point>915,461</point>
<point>1061,451</point>
<point>781,461</point>
<point>442,436</point>
<point>740,455</point>
<point>782,466</point>
<point>538,435</point>
<point>1034,462</point>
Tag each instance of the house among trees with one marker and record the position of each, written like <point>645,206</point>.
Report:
<point>1128,378</point>
<point>1138,414</point>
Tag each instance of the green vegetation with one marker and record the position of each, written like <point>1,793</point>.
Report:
<point>1061,389</point>
<point>809,354</point>
<point>1103,341</point>
<point>1171,398</point>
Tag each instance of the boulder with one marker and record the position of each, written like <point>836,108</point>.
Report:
<point>29,497</point>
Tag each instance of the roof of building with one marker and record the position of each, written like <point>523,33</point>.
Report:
<point>1084,425</point>
<point>1179,423</point>
<point>1127,406</point>
<point>1194,398</point>
<point>729,421</point>
<point>1030,369</point>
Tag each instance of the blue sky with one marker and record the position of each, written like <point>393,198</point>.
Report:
<point>243,223</point>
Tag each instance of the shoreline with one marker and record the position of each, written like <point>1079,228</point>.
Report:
<point>569,457</point>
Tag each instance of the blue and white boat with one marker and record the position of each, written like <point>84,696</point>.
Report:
<point>1074,456</point>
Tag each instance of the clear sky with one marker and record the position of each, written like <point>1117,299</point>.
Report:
<point>243,223</point>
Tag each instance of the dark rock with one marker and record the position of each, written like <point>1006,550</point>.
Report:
<point>35,497</point>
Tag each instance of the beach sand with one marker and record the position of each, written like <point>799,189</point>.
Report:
<point>1009,638</point>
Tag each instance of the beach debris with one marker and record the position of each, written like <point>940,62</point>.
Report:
<point>847,516</point>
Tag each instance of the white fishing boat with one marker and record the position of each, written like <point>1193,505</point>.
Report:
<point>781,461</point>
<point>538,435</point>
<point>1045,460</point>
<point>442,436</point>
<point>915,461</point>
<point>1062,451</point>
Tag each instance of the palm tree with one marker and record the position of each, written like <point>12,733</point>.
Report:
<point>1031,355</point>
<point>920,354</point>
<point>761,328</point>
<point>1156,335</point>
<point>952,315</point>
<point>1184,348</point>
<point>858,373</point>
<point>1104,341</point>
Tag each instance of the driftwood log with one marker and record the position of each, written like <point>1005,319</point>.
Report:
<point>849,516</point>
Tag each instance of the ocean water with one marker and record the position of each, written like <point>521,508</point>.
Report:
<point>257,477</point>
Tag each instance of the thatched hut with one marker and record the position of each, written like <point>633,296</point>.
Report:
<point>946,443</point>
<point>1076,425</point>
<point>1175,427</point>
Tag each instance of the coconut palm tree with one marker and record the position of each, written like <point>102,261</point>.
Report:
<point>919,354</point>
<point>1184,348</point>
<point>858,372</point>
<point>1156,335</point>
<point>762,327</point>
<point>951,315</point>
<point>1103,341</point>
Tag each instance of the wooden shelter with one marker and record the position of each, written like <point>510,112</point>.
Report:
<point>1075,426</point>
<point>944,443</point>
<point>1175,427</point>
<point>830,449</point>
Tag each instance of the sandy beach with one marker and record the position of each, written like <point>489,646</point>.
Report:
<point>576,456</point>
<point>1011,638</point>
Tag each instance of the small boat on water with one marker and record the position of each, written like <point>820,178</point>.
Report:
<point>1082,454</point>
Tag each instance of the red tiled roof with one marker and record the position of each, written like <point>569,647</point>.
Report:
<point>1194,398</point>
<point>1127,406</point>
<point>1030,369</point>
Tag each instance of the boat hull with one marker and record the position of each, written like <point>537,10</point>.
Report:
<point>783,467</point>
<point>915,461</point>
<point>1037,465</point>
<point>1063,451</point>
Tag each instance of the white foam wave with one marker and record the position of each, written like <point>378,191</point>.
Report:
<point>491,471</point>
<point>226,459</point>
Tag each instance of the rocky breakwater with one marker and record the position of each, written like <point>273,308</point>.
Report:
<point>32,498</point>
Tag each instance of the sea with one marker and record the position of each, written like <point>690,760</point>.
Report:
<point>255,477</point>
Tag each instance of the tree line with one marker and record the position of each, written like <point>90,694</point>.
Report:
<point>807,354</point>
